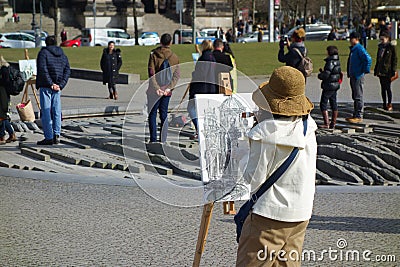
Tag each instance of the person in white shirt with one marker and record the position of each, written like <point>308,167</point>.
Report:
<point>279,218</point>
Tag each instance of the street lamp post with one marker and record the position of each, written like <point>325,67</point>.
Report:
<point>33,15</point>
<point>38,41</point>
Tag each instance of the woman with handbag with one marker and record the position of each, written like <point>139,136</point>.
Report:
<point>331,77</point>
<point>386,68</point>
<point>279,218</point>
<point>5,124</point>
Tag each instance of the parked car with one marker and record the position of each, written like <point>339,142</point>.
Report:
<point>17,40</point>
<point>314,32</point>
<point>149,38</point>
<point>187,36</point>
<point>43,35</point>
<point>253,37</point>
<point>101,37</point>
<point>74,42</point>
<point>208,32</point>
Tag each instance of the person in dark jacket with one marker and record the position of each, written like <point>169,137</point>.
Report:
<point>224,60</point>
<point>331,77</point>
<point>159,91</point>
<point>52,76</point>
<point>385,68</point>
<point>292,57</point>
<point>203,79</point>
<point>110,63</point>
<point>5,124</point>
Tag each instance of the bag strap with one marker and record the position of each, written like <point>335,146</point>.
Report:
<point>25,95</point>
<point>298,52</point>
<point>278,172</point>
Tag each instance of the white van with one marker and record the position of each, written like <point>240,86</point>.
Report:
<point>103,36</point>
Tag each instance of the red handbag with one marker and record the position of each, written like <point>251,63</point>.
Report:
<point>395,77</point>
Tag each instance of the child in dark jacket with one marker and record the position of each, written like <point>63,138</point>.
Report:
<point>331,77</point>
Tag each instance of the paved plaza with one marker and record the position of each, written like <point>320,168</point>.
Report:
<point>83,216</point>
<point>61,223</point>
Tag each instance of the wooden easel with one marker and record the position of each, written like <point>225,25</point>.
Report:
<point>32,83</point>
<point>228,206</point>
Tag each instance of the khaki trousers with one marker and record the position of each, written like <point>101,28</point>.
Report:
<point>266,242</point>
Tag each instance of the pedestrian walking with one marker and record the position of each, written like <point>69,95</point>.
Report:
<point>203,80</point>
<point>358,64</point>
<point>279,217</point>
<point>362,29</point>
<point>164,73</point>
<point>385,68</point>
<point>5,125</point>
<point>63,35</point>
<point>53,72</point>
<point>260,34</point>
<point>110,63</point>
<point>296,49</point>
<point>331,77</point>
<point>219,33</point>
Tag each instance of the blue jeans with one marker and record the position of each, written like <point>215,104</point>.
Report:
<point>5,125</point>
<point>50,103</point>
<point>161,105</point>
<point>357,88</point>
<point>191,108</point>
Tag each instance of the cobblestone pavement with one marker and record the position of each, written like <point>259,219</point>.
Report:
<point>60,223</point>
<point>96,217</point>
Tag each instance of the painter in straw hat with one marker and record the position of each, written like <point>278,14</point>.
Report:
<point>284,93</point>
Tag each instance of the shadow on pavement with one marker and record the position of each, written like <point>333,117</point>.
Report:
<point>355,224</point>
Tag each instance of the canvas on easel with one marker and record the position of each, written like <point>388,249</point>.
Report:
<point>28,68</point>
<point>223,144</point>
<point>224,150</point>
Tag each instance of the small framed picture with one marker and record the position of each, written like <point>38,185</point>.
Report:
<point>28,68</point>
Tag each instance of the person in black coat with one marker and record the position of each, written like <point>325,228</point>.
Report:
<point>203,79</point>
<point>385,68</point>
<point>110,63</point>
<point>331,77</point>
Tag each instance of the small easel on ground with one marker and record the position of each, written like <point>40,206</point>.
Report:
<point>32,83</point>
<point>228,206</point>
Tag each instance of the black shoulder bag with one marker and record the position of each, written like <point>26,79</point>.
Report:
<point>244,211</point>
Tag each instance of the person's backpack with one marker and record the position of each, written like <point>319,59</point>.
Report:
<point>164,75</point>
<point>12,80</point>
<point>305,65</point>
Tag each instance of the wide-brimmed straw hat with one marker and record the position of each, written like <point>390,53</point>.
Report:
<point>284,93</point>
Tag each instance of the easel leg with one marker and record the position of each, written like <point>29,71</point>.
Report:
<point>36,97</point>
<point>229,207</point>
<point>203,232</point>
